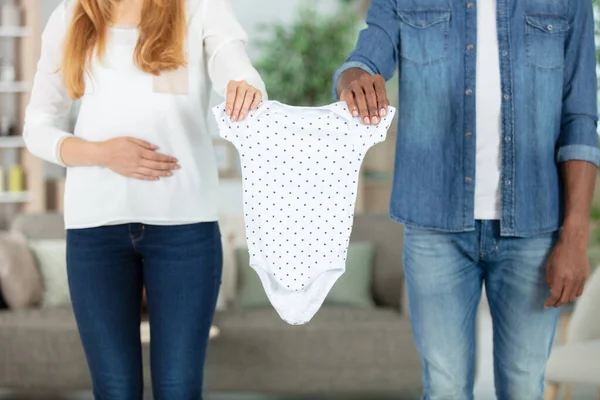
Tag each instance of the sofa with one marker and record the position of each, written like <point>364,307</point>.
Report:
<point>342,350</point>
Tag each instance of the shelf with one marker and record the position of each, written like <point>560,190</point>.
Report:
<point>14,87</point>
<point>15,197</point>
<point>15,31</point>
<point>11,142</point>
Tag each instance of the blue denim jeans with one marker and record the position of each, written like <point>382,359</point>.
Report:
<point>445,273</point>
<point>180,267</point>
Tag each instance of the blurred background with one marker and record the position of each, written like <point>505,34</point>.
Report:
<point>359,346</point>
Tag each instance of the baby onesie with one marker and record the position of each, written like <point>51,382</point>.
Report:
<point>300,171</point>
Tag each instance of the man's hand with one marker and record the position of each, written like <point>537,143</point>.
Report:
<point>364,94</point>
<point>568,267</point>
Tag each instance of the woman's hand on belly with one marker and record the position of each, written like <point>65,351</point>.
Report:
<point>136,158</point>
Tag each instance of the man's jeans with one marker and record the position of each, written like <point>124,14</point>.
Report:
<point>445,273</point>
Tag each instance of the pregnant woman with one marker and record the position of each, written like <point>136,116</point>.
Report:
<point>141,190</point>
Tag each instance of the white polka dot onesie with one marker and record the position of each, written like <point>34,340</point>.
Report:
<point>300,171</point>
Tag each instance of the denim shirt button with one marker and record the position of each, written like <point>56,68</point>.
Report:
<point>468,133</point>
<point>505,53</point>
<point>470,47</point>
<point>469,5</point>
<point>468,92</point>
<point>507,139</point>
<point>468,179</point>
<point>506,97</point>
<point>507,182</point>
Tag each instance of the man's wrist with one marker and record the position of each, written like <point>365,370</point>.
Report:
<point>576,232</point>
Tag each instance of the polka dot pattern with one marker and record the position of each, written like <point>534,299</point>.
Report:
<point>300,171</point>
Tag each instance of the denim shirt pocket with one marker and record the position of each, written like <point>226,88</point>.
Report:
<point>545,40</point>
<point>424,35</point>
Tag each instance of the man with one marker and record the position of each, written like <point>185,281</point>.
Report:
<point>495,168</point>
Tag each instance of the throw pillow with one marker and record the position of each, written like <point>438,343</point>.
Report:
<point>51,257</point>
<point>233,235</point>
<point>251,293</point>
<point>352,289</point>
<point>20,281</point>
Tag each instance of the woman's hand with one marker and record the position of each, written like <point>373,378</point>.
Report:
<point>241,98</point>
<point>136,158</point>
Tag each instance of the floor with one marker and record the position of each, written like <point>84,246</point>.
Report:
<point>484,387</point>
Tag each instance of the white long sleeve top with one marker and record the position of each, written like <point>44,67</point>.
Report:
<point>170,111</point>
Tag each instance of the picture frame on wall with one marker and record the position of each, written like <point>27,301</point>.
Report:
<point>225,156</point>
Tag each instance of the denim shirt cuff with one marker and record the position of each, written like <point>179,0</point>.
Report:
<point>579,152</point>
<point>346,66</point>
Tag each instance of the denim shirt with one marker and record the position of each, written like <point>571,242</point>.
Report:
<point>548,81</point>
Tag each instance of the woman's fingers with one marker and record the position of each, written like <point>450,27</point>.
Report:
<point>154,156</point>
<point>230,98</point>
<point>247,103</point>
<point>144,177</point>
<point>152,172</point>
<point>257,100</point>
<point>241,98</point>
<point>159,165</point>
<point>143,143</point>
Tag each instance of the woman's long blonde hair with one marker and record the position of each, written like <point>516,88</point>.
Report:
<point>160,45</point>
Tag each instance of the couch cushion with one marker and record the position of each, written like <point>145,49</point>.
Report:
<point>341,349</point>
<point>40,225</point>
<point>41,349</point>
<point>51,259</point>
<point>20,280</point>
<point>388,238</point>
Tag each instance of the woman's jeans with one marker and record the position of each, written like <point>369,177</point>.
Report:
<point>180,267</point>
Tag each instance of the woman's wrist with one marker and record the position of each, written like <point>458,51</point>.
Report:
<point>75,152</point>
<point>96,153</point>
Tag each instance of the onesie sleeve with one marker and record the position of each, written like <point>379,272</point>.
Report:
<point>366,136</point>
<point>229,130</point>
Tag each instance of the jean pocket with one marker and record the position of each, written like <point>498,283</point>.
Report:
<point>545,40</point>
<point>424,35</point>
<point>172,82</point>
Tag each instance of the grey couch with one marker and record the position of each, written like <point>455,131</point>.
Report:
<point>340,351</point>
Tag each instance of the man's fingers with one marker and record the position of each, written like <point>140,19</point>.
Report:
<point>154,156</point>
<point>556,291</point>
<point>580,290</point>
<point>230,97</point>
<point>143,143</point>
<point>372,103</point>
<point>567,292</point>
<point>361,103</point>
<point>382,99</point>
<point>348,97</point>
